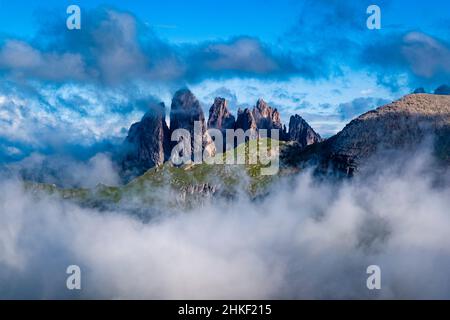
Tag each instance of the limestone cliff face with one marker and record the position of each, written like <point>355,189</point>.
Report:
<point>147,143</point>
<point>301,132</point>
<point>246,121</point>
<point>220,116</point>
<point>221,119</point>
<point>184,114</point>
<point>266,117</point>
<point>262,116</point>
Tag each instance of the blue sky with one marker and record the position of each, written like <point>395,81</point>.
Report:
<point>312,57</point>
<point>198,20</point>
<point>177,21</point>
<point>174,20</point>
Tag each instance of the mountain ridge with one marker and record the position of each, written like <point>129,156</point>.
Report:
<point>404,123</point>
<point>185,110</point>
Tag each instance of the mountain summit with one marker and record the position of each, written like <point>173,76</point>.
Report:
<point>262,116</point>
<point>149,144</point>
<point>403,124</point>
<point>185,111</point>
<point>301,132</point>
<point>399,126</point>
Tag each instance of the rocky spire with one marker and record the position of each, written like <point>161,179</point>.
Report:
<point>220,118</point>
<point>266,117</point>
<point>147,143</point>
<point>301,132</point>
<point>219,115</point>
<point>185,111</point>
<point>262,116</point>
<point>245,120</point>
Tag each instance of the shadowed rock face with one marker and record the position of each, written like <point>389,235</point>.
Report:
<point>262,116</point>
<point>221,119</point>
<point>185,111</point>
<point>219,116</point>
<point>301,132</point>
<point>245,120</point>
<point>147,143</point>
<point>266,117</point>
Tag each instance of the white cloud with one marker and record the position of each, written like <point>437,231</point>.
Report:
<point>27,61</point>
<point>313,241</point>
<point>54,116</point>
<point>426,55</point>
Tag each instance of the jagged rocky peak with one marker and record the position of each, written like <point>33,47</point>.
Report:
<point>185,109</point>
<point>262,108</point>
<point>245,120</point>
<point>147,143</point>
<point>220,116</point>
<point>184,113</point>
<point>221,119</point>
<point>266,117</point>
<point>262,116</point>
<point>301,132</point>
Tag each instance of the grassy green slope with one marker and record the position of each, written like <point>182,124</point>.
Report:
<point>184,185</point>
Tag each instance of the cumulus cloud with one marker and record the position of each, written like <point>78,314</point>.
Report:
<point>68,119</point>
<point>22,60</point>
<point>398,58</point>
<point>326,38</point>
<point>239,56</point>
<point>314,241</point>
<point>423,58</point>
<point>114,47</point>
<point>426,55</point>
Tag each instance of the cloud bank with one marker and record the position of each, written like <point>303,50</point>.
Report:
<point>314,241</point>
<point>114,47</point>
<point>424,58</point>
<point>330,38</point>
